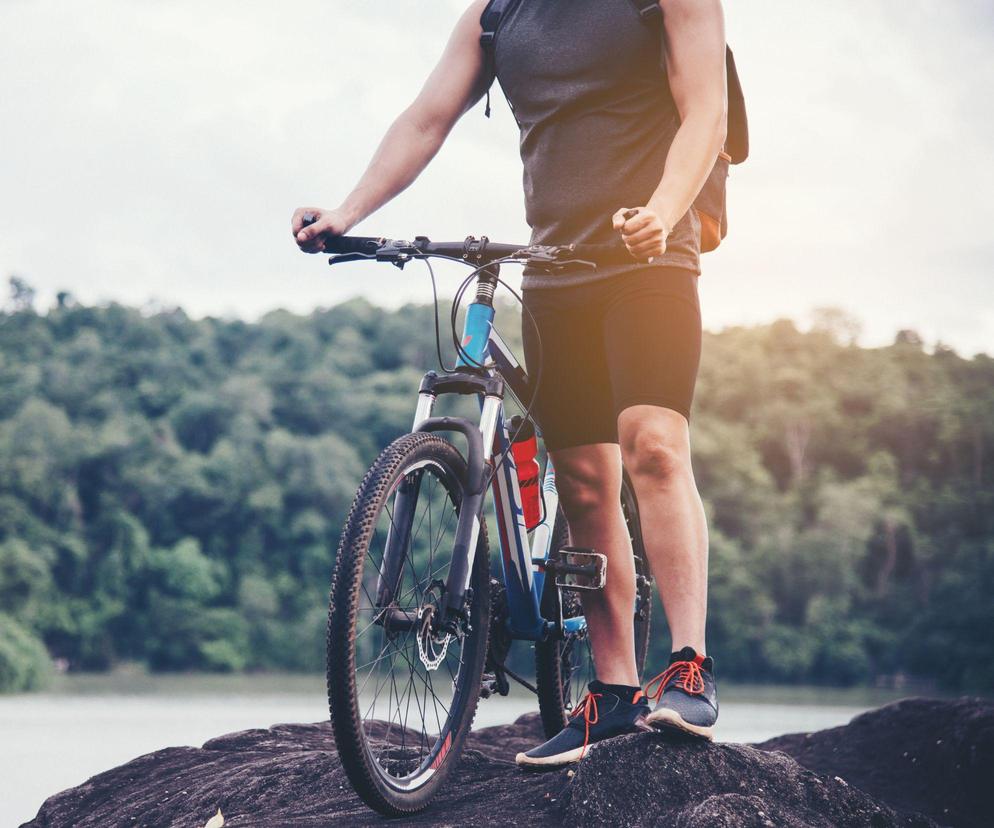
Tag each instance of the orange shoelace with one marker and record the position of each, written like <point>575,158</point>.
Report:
<point>688,675</point>
<point>588,706</point>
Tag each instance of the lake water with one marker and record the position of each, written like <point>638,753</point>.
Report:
<point>87,724</point>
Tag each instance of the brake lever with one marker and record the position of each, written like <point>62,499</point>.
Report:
<point>582,262</point>
<point>398,254</point>
<point>340,258</point>
<point>552,257</point>
<point>549,260</point>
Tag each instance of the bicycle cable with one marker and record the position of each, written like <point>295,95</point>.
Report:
<point>457,299</point>
<point>438,334</point>
<point>460,351</point>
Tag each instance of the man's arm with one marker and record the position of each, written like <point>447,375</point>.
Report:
<point>695,62</point>
<point>456,83</point>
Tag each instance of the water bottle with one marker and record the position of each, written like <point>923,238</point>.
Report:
<point>524,450</point>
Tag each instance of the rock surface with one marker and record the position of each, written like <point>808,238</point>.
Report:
<point>932,757</point>
<point>936,757</point>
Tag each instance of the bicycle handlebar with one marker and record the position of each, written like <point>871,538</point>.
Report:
<point>473,251</point>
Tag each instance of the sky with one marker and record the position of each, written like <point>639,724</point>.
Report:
<point>152,152</point>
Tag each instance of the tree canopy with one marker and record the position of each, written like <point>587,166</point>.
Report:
<point>171,489</point>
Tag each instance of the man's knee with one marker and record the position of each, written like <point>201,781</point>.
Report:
<point>655,447</point>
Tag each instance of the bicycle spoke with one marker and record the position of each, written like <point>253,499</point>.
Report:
<point>371,710</point>
<point>449,667</point>
<point>427,684</point>
<point>393,693</point>
<point>413,691</point>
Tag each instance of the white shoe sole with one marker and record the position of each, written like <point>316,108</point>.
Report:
<point>566,758</point>
<point>666,718</point>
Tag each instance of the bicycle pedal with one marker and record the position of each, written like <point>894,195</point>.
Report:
<point>578,568</point>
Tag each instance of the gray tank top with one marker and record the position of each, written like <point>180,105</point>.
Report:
<point>586,82</point>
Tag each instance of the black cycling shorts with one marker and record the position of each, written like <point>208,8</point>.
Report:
<point>629,339</point>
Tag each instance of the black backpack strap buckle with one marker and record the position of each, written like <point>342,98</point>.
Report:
<point>649,11</point>
<point>490,21</point>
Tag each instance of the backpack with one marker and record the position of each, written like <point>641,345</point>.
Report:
<point>710,202</point>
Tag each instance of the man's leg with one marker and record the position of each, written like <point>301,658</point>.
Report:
<point>653,336</point>
<point>655,446</point>
<point>588,479</point>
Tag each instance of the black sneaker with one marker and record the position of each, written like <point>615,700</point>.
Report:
<point>687,698</point>
<point>606,710</point>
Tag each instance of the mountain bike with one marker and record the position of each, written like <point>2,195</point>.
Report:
<point>418,628</point>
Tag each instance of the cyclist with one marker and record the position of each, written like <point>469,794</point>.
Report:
<point>613,117</point>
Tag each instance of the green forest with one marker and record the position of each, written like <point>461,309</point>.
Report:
<point>172,489</point>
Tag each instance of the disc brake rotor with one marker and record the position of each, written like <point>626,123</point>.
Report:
<point>431,649</point>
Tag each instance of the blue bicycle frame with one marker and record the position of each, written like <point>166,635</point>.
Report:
<point>520,557</point>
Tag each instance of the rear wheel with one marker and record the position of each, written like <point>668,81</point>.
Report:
<point>564,667</point>
<point>402,692</point>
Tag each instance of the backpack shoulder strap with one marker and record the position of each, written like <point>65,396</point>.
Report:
<point>737,135</point>
<point>737,139</point>
<point>489,21</point>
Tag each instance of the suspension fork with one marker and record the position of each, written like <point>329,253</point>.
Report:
<point>405,501</point>
<point>468,379</point>
<point>398,538</point>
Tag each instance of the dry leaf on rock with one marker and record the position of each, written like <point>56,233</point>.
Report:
<point>216,821</point>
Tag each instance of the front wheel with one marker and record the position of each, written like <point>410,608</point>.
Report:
<point>564,667</point>
<point>401,690</point>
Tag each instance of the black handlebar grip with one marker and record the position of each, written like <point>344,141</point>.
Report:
<point>630,213</point>
<point>367,245</point>
<point>345,244</point>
